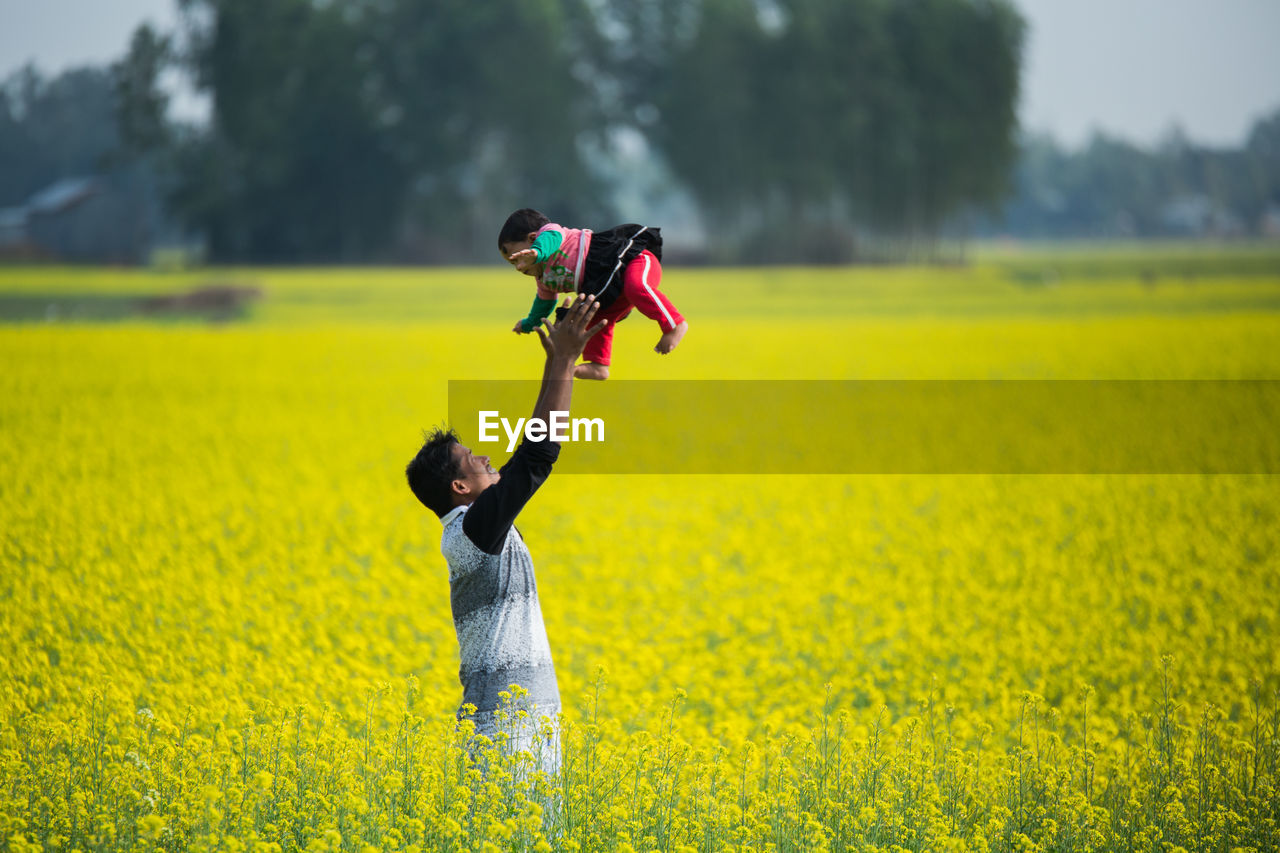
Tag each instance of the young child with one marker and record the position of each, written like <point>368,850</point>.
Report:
<point>620,267</point>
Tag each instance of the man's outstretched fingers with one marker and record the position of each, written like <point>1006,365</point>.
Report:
<point>586,317</point>
<point>583,309</point>
<point>591,307</point>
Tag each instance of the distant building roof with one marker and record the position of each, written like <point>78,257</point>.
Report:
<point>13,217</point>
<point>61,195</point>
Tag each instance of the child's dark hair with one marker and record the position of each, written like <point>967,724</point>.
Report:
<point>519,225</point>
<point>433,470</point>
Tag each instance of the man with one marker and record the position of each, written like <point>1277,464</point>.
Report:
<point>501,636</point>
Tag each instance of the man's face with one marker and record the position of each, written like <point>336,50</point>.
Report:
<point>475,474</point>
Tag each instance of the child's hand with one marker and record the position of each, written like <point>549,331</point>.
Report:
<point>518,328</point>
<point>524,259</point>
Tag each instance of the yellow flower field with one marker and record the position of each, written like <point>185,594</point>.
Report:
<point>225,621</point>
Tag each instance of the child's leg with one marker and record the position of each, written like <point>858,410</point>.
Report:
<point>591,370</point>
<point>598,351</point>
<point>640,287</point>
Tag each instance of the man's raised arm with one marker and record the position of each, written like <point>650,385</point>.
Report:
<point>491,515</point>
<point>563,344</point>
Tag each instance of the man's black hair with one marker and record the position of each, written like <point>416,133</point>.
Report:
<point>519,225</point>
<point>433,470</point>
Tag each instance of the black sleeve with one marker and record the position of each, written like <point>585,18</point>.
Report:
<point>491,515</point>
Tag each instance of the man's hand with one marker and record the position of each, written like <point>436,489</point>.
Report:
<point>566,339</point>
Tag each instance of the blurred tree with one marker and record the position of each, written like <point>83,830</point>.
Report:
<point>53,128</point>
<point>812,130</point>
<point>960,62</point>
<point>296,164</point>
<point>70,127</point>
<point>834,93</point>
<point>797,122</point>
<point>140,101</point>
<point>490,107</point>
<point>705,100</point>
<point>1117,186</point>
<point>345,130</point>
<point>1111,188</point>
<point>1260,171</point>
<point>816,130</point>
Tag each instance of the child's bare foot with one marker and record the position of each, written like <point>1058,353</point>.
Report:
<point>668,341</point>
<point>591,370</point>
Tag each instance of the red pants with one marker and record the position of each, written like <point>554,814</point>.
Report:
<point>639,290</point>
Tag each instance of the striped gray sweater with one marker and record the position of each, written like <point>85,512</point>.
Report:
<point>494,595</point>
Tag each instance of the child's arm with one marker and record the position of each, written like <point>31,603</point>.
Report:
<point>540,311</point>
<point>546,243</point>
<point>543,247</point>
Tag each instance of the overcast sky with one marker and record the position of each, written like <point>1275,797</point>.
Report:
<point>1133,68</point>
